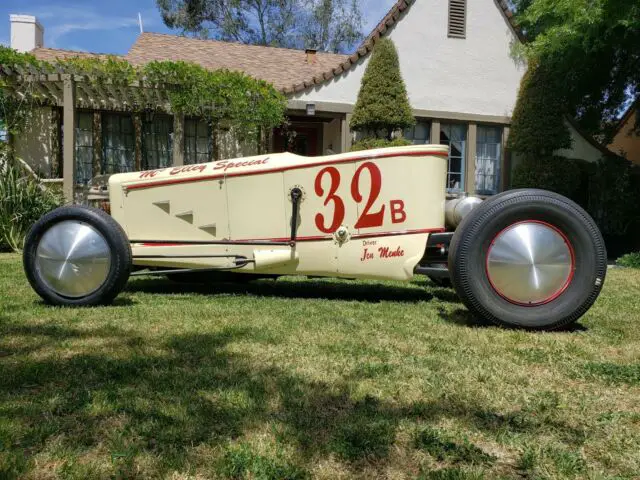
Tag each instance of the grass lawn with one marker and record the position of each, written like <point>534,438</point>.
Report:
<point>318,379</point>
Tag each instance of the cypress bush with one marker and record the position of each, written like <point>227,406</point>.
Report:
<point>613,191</point>
<point>382,106</point>
<point>555,173</point>
<point>538,125</point>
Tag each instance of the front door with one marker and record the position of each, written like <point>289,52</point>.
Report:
<point>301,140</point>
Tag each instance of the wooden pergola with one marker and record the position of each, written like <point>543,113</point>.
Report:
<point>72,91</point>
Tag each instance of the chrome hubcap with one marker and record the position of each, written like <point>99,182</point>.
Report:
<point>530,263</point>
<point>73,259</point>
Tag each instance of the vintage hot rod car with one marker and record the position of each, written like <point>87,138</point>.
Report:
<point>524,258</point>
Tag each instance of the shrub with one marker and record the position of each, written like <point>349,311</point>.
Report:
<point>609,190</point>
<point>371,143</point>
<point>23,200</point>
<point>382,104</point>
<point>538,123</point>
<point>613,196</point>
<point>631,260</point>
<point>557,174</point>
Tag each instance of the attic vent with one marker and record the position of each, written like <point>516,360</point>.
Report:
<point>457,18</point>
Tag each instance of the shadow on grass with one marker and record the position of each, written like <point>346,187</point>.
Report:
<point>307,289</point>
<point>190,391</point>
<point>118,302</point>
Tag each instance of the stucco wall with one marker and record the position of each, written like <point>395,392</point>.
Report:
<point>331,137</point>
<point>626,142</point>
<point>475,75</point>
<point>581,148</point>
<point>34,144</point>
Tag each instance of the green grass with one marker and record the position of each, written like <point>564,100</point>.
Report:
<point>312,379</point>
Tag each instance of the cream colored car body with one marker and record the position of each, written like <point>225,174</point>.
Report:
<point>208,215</point>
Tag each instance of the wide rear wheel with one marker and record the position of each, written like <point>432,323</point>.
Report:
<point>529,259</point>
<point>77,256</point>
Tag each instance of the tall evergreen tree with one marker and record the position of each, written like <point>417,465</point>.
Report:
<point>383,104</point>
<point>538,125</point>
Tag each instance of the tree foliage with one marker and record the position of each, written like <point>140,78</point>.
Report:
<point>382,106</point>
<point>593,49</point>
<point>331,25</point>
<point>371,143</point>
<point>14,112</point>
<point>555,173</point>
<point>23,200</point>
<point>327,25</point>
<point>538,125</point>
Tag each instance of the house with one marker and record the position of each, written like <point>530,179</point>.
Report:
<point>626,141</point>
<point>455,57</point>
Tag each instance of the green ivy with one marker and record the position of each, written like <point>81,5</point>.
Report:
<point>228,100</point>
<point>118,71</point>
<point>13,114</point>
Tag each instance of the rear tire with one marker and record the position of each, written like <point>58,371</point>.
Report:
<point>77,256</point>
<point>558,243</point>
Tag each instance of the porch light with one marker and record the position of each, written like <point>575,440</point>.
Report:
<point>311,109</point>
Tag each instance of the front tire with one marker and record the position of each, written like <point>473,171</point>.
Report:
<point>77,256</point>
<point>528,259</point>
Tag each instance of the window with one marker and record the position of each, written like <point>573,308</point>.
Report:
<point>118,143</point>
<point>457,18</point>
<point>455,136</point>
<point>84,147</point>
<point>157,142</point>
<point>419,134</point>
<point>488,155</point>
<point>197,141</point>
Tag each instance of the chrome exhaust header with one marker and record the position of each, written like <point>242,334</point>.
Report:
<point>456,209</point>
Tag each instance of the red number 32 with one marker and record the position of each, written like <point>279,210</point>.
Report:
<point>367,219</point>
<point>338,211</point>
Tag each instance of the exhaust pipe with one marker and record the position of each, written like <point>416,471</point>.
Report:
<point>455,210</point>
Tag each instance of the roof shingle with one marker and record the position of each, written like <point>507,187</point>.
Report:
<point>280,66</point>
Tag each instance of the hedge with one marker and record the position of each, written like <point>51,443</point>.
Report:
<point>371,143</point>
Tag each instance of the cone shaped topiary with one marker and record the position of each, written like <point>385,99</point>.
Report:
<point>538,127</point>
<point>383,104</point>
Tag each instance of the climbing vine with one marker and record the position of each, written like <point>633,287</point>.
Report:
<point>227,100</point>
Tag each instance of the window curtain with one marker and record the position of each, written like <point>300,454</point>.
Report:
<point>157,145</point>
<point>455,136</point>
<point>488,159</point>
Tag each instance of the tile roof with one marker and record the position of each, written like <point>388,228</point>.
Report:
<point>280,66</point>
<point>52,54</point>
